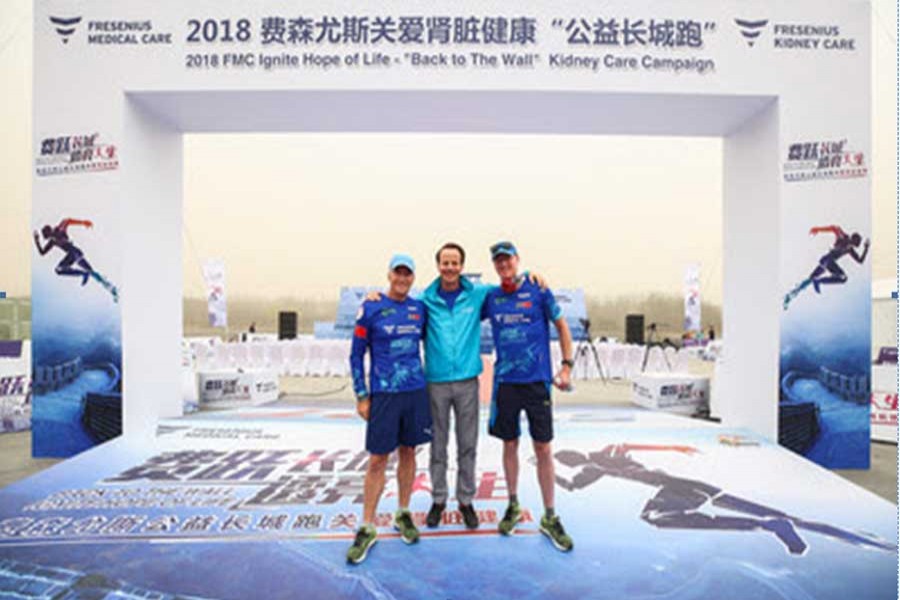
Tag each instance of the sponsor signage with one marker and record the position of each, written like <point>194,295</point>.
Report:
<point>826,159</point>
<point>111,32</point>
<point>72,154</point>
<point>795,36</point>
<point>593,43</point>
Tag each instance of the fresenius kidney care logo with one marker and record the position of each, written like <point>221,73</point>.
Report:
<point>751,30</point>
<point>65,26</point>
<point>823,160</point>
<point>800,37</point>
<point>796,36</point>
<point>75,154</point>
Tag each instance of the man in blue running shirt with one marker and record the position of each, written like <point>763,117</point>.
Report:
<point>520,314</point>
<point>395,405</point>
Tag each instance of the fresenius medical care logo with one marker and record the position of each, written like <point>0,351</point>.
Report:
<point>65,27</point>
<point>70,154</point>
<point>112,32</point>
<point>751,30</point>
<point>830,159</point>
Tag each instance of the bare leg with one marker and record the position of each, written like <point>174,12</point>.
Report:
<point>543,451</point>
<point>406,473</point>
<point>511,465</point>
<point>374,486</point>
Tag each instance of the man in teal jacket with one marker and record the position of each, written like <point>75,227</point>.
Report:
<point>452,366</point>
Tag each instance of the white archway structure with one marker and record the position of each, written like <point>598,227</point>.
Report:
<point>786,87</point>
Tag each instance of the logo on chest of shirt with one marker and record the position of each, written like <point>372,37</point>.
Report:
<point>415,316</point>
<point>389,329</point>
<point>526,304</point>
<point>387,311</point>
<point>512,319</point>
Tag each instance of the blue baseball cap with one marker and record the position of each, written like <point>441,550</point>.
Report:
<point>503,248</point>
<point>403,260</point>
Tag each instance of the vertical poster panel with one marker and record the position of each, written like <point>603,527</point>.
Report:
<point>76,318</point>
<point>824,410</point>
<point>214,276</point>
<point>574,310</point>
<point>692,323</point>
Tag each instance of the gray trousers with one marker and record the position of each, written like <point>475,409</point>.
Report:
<point>462,396</point>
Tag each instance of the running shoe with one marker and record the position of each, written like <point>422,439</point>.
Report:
<point>553,529</point>
<point>404,524</point>
<point>365,538</point>
<point>512,516</point>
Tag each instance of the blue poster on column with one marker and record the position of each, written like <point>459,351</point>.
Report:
<point>574,309</point>
<point>77,354</point>
<point>825,351</point>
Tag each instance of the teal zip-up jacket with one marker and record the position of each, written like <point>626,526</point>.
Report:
<point>453,337</point>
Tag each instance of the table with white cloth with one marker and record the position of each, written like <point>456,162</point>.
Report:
<point>231,388</point>
<point>679,393</point>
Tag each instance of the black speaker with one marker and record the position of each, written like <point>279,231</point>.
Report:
<point>634,329</point>
<point>287,325</point>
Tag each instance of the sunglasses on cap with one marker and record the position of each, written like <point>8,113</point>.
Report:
<point>503,248</point>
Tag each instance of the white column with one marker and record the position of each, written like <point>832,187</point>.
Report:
<point>748,384</point>
<point>152,270</point>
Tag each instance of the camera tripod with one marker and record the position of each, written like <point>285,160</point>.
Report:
<point>652,342</point>
<point>585,350</point>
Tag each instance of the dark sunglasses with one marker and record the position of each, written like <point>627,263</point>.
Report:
<point>502,247</point>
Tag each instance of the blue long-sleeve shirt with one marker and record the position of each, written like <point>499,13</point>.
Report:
<point>392,332</point>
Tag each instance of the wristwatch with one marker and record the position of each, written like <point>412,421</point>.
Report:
<point>568,362</point>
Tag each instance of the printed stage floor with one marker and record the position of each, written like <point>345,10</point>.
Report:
<point>262,503</point>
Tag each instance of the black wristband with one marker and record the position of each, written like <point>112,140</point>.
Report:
<point>568,362</point>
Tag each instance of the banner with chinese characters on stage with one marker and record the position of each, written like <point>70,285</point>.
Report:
<point>263,503</point>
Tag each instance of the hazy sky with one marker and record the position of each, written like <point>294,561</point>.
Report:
<point>303,214</point>
<point>330,209</point>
